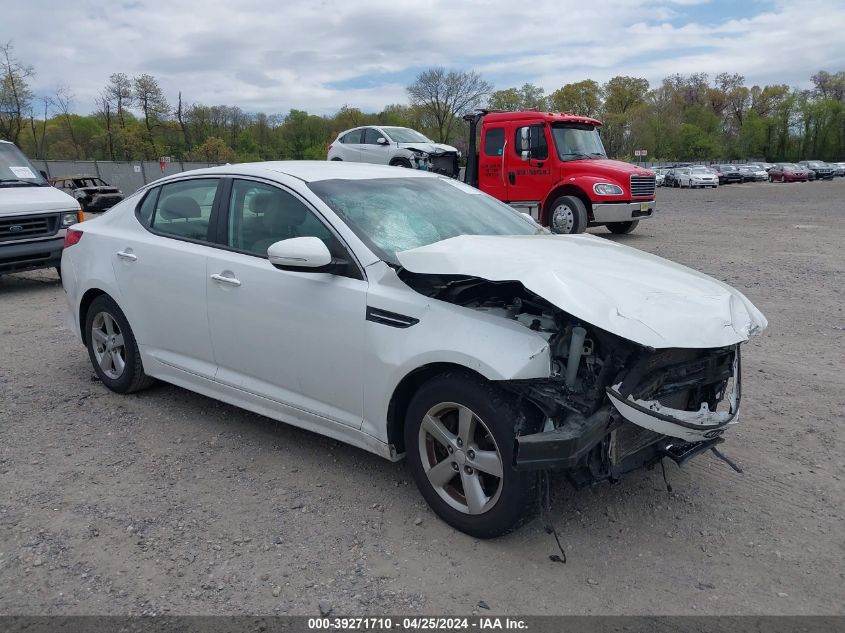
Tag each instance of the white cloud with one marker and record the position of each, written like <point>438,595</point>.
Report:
<point>273,56</point>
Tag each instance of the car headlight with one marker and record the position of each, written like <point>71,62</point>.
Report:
<point>72,217</point>
<point>607,189</point>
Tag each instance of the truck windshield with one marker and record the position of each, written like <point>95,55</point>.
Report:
<point>16,170</point>
<point>577,140</point>
<point>391,215</point>
<point>405,135</point>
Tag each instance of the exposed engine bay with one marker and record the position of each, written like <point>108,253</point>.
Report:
<point>609,405</point>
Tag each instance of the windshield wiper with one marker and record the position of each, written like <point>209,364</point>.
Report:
<point>575,154</point>
<point>599,154</point>
<point>17,182</point>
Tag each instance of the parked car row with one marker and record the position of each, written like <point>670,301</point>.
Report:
<point>693,176</point>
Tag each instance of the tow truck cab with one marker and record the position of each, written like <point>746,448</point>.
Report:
<point>554,165</point>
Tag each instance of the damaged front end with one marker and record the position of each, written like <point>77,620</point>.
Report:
<point>609,405</point>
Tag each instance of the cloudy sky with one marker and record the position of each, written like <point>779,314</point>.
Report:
<point>274,55</point>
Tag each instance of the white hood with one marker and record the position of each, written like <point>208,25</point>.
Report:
<point>27,200</point>
<point>429,148</point>
<point>638,296</point>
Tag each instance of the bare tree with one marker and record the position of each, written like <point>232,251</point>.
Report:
<point>446,95</point>
<point>38,145</point>
<point>104,109</point>
<point>63,101</point>
<point>180,117</point>
<point>119,93</point>
<point>15,94</point>
<point>150,99</point>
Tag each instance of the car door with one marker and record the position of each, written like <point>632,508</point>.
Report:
<point>295,338</point>
<point>491,161</point>
<point>528,181</point>
<point>350,146</point>
<point>161,273</point>
<point>372,151</point>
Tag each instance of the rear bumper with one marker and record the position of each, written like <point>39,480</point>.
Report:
<point>18,257</point>
<point>605,212</point>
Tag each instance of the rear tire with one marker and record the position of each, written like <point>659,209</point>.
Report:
<point>620,228</point>
<point>459,439</point>
<point>112,347</point>
<point>567,215</point>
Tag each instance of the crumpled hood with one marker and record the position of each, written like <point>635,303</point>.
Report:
<point>633,294</point>
<point>429,148</point>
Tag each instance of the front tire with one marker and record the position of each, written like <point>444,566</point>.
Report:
<point>620,228</point>
<point>112,347</point>
<point>567,215</point>
<point>459,438</point>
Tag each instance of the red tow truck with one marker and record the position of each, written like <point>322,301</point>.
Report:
<point>554,165</point>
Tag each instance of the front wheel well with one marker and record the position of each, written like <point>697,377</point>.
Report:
<point>87,300</point>
<point>408,387</point>
<point>565,190</point>
<point>405,391</point>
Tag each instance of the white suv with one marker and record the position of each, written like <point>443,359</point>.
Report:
<point>397,146</point>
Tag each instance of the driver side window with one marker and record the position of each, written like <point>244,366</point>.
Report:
<point>371,136</point>
<point>260,215</point>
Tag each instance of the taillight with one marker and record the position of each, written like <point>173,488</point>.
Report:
<point>329,147</point>
<point>72,236</point>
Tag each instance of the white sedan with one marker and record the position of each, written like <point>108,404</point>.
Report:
<point>412,316</point>
<point>697,176</point>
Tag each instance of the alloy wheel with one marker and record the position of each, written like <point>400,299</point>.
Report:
<point>460,458</point>
<point>107,343</point>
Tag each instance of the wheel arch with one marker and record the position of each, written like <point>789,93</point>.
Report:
<point>565,190</point>
<point>404,392</point>
<point>84,304</point>
<point>409,385</point>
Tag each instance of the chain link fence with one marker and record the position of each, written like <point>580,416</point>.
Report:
<point>128,176</point>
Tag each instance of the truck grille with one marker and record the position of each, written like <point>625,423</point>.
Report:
<point>642,186</point>
<point>23,227</point>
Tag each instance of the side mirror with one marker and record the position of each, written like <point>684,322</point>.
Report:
<point>306,254</point>
<point>381,140</point>
<point>526,155</point>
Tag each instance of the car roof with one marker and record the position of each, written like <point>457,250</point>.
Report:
<point>307,171</point>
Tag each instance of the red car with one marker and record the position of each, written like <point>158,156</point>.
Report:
<point>788,172</point>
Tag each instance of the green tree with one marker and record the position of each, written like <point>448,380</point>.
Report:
<point>15,93</point>
<point>213,150</point>
<point>581,97</point>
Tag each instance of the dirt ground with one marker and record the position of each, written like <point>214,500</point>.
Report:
<point>170,502</point>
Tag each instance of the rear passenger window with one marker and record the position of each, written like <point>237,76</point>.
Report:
<point>353,137</point>
<point>494,141</point>
<point>148,204</point>
<point>183,209</point>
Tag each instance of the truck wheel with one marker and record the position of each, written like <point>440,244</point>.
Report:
<point>459,439</point>
<point>621,228</point>
<point>568,215</point>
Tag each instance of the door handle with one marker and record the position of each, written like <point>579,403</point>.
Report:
<point>512,177</point>
<point>127,255</point>
<point>229,281</point>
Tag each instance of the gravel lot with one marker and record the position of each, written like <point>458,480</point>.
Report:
<point>169,502</point>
